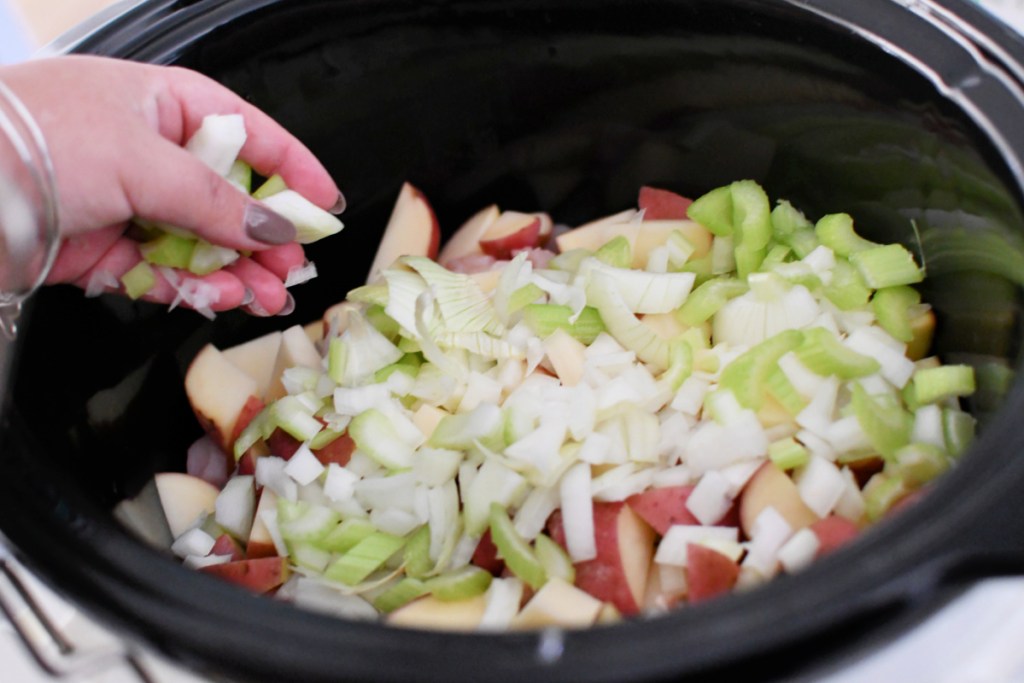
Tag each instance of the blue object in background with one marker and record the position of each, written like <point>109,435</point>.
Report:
<point>15,43</point>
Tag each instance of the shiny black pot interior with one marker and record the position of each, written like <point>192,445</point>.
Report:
<point>567,107</point>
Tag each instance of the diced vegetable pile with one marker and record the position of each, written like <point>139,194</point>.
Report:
<point>548,426</point>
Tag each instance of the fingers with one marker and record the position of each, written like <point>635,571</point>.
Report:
<point>243,283</point>
<point>282,259</point>
<point>180,190</point>
<point>269,148</point>
<point>269,295</point>
<point>225,290</point>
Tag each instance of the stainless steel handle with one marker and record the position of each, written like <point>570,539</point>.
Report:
<point>52,650</point>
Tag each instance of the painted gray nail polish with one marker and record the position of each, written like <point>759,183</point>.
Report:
<point>256,309</point>
<point>248,297</point>
<point>340,205</point>
<point>266,226</point>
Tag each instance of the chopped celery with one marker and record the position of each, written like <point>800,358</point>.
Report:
<point>847,289</point>
<point>777,255</point>
<point>881,493</point>
<point>788,454</point>
<point>751,215</point>
<point>746,376</point>
<point>364,558</point>
<point>887,266</point>
<point>309,556</point>
<point>824,354</point>
<point>240,175</point>
<point>402,593</point>
<point>779,387</point>
<point>787,220</point>
<point>554,559</point>
<point>376,436</point>
<point>208,258</point>
<point>714,211</point>
<point>544,319</point>
<point>891,306</point>
<point>522,297</point>
<point>723,255</point>
<point>347,535</point>
<point>615,252</point>
<point>324,438</point>
<point>884,421</point>
<point>836,232</point>
<point>680,364</point>
<point>139,280</point>
<point>958,430</point>
<point>919,463</point>
<point>303,522</point>
<point>271,186</point>
<point>932,385</point>
<point>708,298</point>
<point>519,556</point>
<point>382,322</point>
<point>417,553</point>
<point>173,251</point>
<point>460,584</point>
<point>293,416</point>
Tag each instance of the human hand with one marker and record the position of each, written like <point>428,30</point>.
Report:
<point>115,132</point>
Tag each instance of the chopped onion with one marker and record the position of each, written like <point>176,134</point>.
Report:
<point>300,274</point>
<point>578,513</point>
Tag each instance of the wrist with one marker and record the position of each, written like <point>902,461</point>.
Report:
<point>28,208</point>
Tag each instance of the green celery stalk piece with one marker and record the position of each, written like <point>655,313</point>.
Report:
<point>616,252</point>
<point>417,554</point>
<point>347,535</point>
<point>932,385</point>
<point>271,186</point>
<point>708,298</point>
<point>788,453</point>
<point>553,558</point>
<point>887,266</point>
<point>824,354</point>
<point>714,211</point>
<point>240,174</point>
<point>836,232</point>
<point>402,593</point>
<point>787,221</point>
<point>364,558</point>
<point>884,421</point>
<point>519,556</point>
<point>139,280</point>
<point>173,251</point>
<point>460,584</point>
<point>919,463</point>
<point>747,375</point>
<point>891,307</point>
<point>751,215</point>
<point>544,319</point>
<point>525,295</point>
<point>847,290</point>
<point>881,493</point>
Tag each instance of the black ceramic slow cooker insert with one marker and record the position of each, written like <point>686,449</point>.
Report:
<point>905,114</point>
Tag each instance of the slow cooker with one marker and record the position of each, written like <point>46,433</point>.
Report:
<point>905,113</point>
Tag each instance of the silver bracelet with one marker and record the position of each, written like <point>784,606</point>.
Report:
<point>28,209</point>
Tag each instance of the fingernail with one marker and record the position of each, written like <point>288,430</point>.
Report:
<point>340,205</point>
<point>248,297</point>
<point>289,305</point>
<point>266,226</point>
<point>257,310</point>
